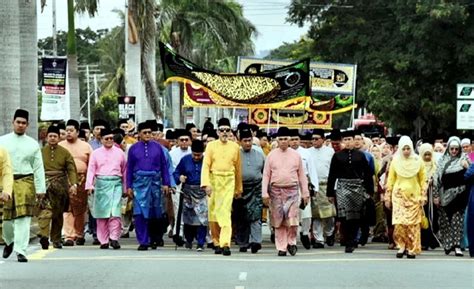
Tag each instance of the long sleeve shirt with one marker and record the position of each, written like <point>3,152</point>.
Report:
<point>105,162</point>
<point>147,156</point>
<point>304,157</point>
<point>169,164</point>
<point>222,157</point>
<point>177,154</point>
<point>189,168</point>
<point>350,164</point>
<point>6,172</point>
<point>80,151</point>
<point>59,159</point>
<point>253,162</point>
<point>282,169</point>
<point>95,143</point>
<point>25,155</point>
<point>320,159</point>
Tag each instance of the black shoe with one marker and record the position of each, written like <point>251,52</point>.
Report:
<point>154,245</point>
<point>313,242</point>
<point>349,249</point>
<point>211,246</point>
<point>425,248</point>
<point>125,236</point>
<point>178,240</point>
<point>115,244</point>
<point>226,251</point>
<point>161,243</point>
<point>104,246</point>
<point>57,245</point>
<point>447,251</point>
<point>272,238</point>
<point>363,241</point>
<point>217,250</point>
<point>318,245</point>
<point>399,255</point>
<point>96,242</point>
<point>330,240</point>
<point>44,243</point>
<point>305,241</point>
<point>7,251</point>
<point>21,258</point>
<point>81,241</point>
<point>142,248</point>
<point>188,245</point>
<point>281,253</point>
<point>409,256</point>
<point>243,250</point>
<point>292,249</point>
<point>68,243</point>
<point>255,247</point>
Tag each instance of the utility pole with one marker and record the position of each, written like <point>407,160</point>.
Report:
<point>88,96</point>
<point>55,43</point>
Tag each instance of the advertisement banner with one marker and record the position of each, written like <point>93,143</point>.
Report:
<point>54,90</point>
<point>126,107</point>
<point>465,107</point>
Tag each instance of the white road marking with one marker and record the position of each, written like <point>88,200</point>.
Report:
<point>243,276</point>
<point>239,287</point>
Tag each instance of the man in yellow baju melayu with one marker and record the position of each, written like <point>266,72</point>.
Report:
<point>222,180</point>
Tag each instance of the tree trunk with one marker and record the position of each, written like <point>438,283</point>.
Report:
<point>133,84</point>
<point>10,64</point>
<point>151,63</point>
<point>29,63</point>
<point>72,65</point>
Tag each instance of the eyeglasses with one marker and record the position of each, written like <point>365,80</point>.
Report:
<point>146,132</point>
<point>224,129</point>
<point>454,148</point>
<point>108,138</point>
<point>183,139</point>
<point>316,137</point>
<point>282,138</point>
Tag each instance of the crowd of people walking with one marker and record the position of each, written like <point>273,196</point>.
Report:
<point>219,186</point>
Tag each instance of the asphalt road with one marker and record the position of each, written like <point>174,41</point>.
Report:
<point>373,266</point>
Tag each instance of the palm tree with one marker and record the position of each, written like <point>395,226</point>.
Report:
<point>9,58</point>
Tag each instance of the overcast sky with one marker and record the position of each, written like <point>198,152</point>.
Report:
<point>267,15</point>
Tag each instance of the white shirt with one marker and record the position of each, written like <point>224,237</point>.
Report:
<point>177,154</point>
<point>320,160</point>
<point>310,172</point>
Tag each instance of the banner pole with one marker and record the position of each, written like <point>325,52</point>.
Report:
<point>269,120</point>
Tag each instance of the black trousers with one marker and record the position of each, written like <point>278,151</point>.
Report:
<point>157,228</point>
<point>349,230</point>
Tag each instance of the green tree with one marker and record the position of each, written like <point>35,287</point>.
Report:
<point>410,54</point>
<point>107,108</point>
<point>296,50</point>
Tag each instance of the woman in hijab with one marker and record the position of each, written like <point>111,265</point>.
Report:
<point>450,194</point>
<point>406,193</point>
<point>428,238</point>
